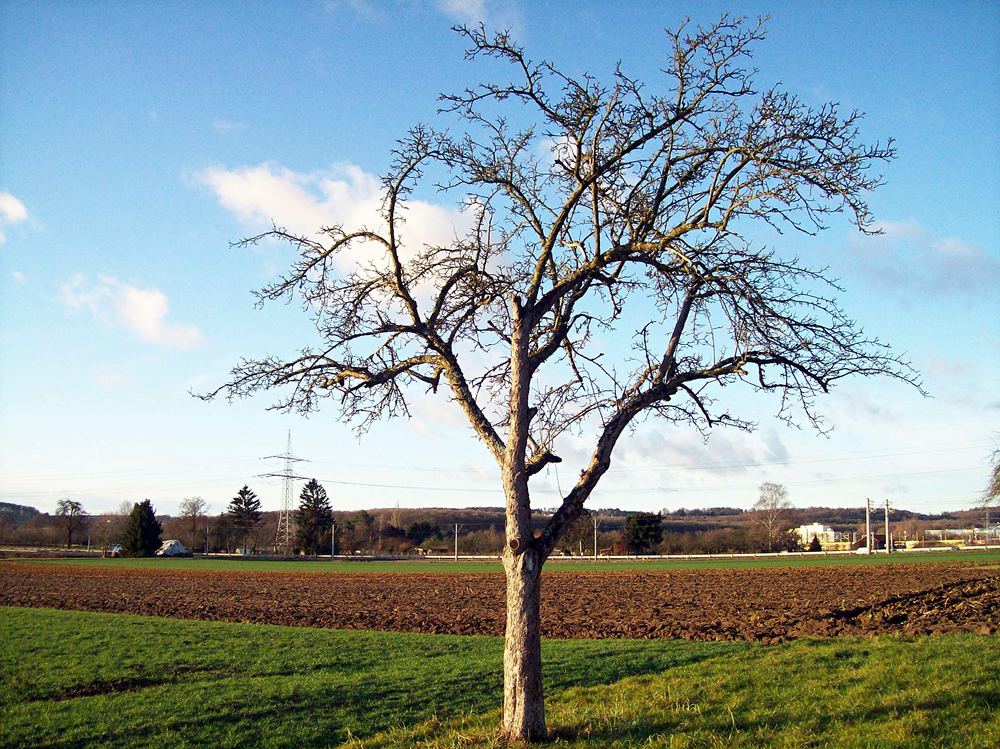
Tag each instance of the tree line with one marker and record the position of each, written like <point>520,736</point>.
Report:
<point>244,526</point>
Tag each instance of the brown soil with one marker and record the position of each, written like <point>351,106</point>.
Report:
<point>766,605</point>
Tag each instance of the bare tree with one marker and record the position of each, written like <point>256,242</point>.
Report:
<point>768,509</point>
<point>992,490</point>
<point>71,518</point>
<point>597,212</point>
<point>193,509</point>
<point>991,495</point>
<point>578,534</point>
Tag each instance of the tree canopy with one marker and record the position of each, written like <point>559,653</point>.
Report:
<point>71,517</point>
<point>643,532</point>
<point>604,269</point>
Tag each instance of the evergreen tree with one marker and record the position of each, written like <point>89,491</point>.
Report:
<point>815,545</point>
<point>314,516</point>
<point>143,534</point>
<point>643,531</point>
<point>244,510</point>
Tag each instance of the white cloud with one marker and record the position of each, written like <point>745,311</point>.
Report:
<point>12,211</point>
<point>897,230</point>
<point>947,368</point>
<point>303,203</point>
<point>435,414</point>
<point>494,14</point>
<point>726,452</point>
<point>560,148</point>
<point>909,259</point>
<point>19,278</point>
<point>142,311</point>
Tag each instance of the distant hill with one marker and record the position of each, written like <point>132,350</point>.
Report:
<point>18,513</point>
<point>679,521</point>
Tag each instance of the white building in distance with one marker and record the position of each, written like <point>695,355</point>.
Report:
<point>825,534</point>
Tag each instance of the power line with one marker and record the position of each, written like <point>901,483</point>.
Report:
<point>536,489</point>
<point>186,467</point>
<point>283,534</point>
<point>161,469</point>
<point>633,490</point>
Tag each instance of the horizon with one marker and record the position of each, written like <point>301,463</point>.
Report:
<point>877,509</point>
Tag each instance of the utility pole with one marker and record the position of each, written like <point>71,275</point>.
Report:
<point>283,535</point>
<point>888,538</point>
<point>594,518</point>
<point>868,525</point>
<point>333,539</point>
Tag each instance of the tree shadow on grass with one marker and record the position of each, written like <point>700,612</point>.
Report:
<point>313,706</point>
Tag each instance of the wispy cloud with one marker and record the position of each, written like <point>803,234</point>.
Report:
<point>364,10</point>
<point>224,127</point>
<point>12,211</point>
<point>494,14</point>
<point>142,311</point>
<point>726,453</point>
<point>909,259</point>
<point>109,379</point>
<point>19,278</point>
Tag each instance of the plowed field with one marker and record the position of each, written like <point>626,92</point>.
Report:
<point>765,605</point>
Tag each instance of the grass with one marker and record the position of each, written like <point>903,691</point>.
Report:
<point>887,692</point>
<point>554,565</point>
<point>74,679</point>
<point>85,679</point>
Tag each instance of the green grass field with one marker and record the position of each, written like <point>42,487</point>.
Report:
<point>554,565</point>
<point>75,679</point>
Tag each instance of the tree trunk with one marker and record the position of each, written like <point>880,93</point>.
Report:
<point>523,707</point>
<point>523,704</point>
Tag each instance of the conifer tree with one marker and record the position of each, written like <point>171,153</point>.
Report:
<point>244,509</point>
<point>315,517</point>
<point>143,534</point>
<point>643,532</point>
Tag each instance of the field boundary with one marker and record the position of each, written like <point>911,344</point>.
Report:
<point>12,552</point>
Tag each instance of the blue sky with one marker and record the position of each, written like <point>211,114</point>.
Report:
<point>137,140</point>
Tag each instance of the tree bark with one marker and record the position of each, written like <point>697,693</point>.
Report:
<point>523,703</point>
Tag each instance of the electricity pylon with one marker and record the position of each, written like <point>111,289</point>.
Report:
<point>283,535</point>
